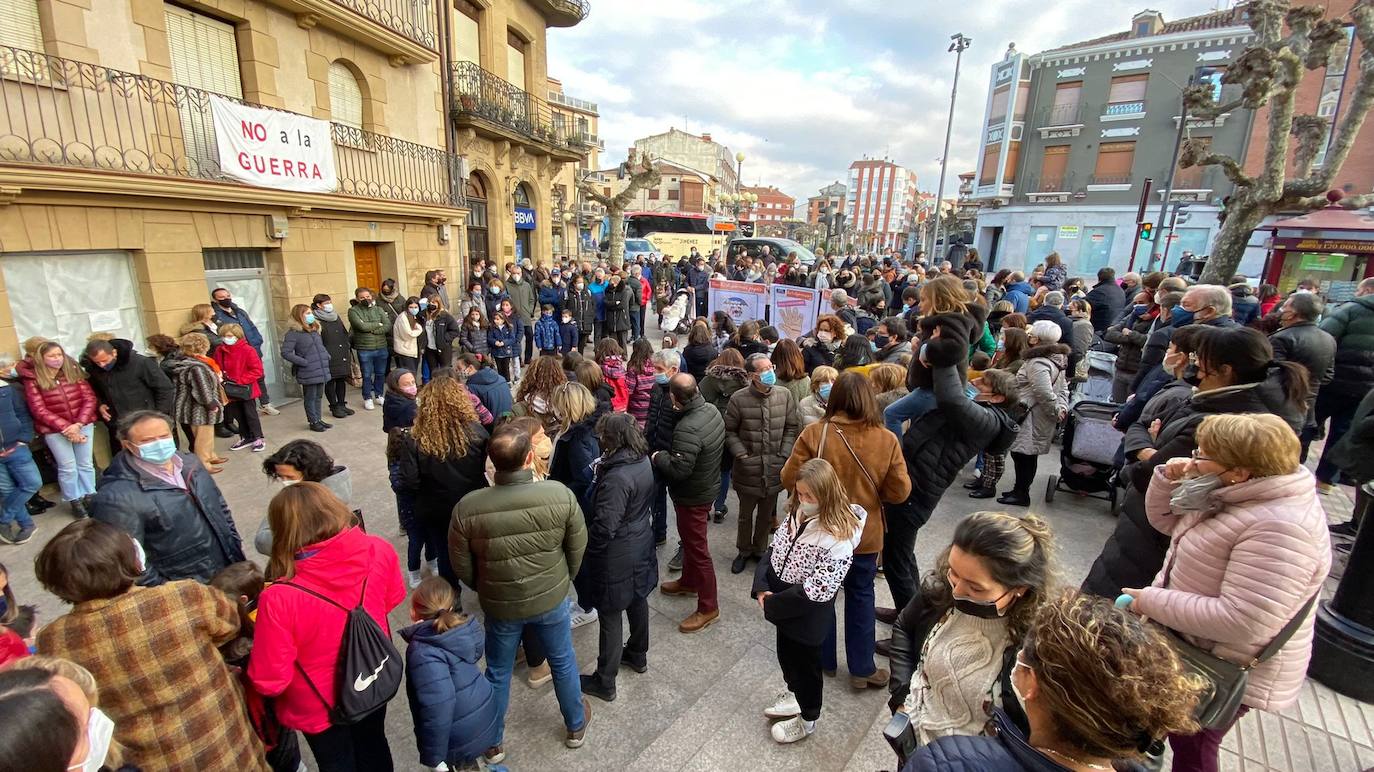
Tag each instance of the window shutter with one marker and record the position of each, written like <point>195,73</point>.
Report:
<point>989,164</point>
<point>1128,88</point>
<point>19,25</point>
<point>1067,94</point>
<point>345,96</point>
<point>205,54</point>
<point>1114,159</point>
<point>1053,166</point>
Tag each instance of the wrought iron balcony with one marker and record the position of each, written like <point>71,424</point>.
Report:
<point>483,95</point>
<point>411,18</point>
<point>1109,179</point>
<point>564,13</point>
<point>401,29</point>
<point>58,112</point>
<point>1059,116</point>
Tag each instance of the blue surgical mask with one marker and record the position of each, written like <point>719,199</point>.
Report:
<point>1180,317</point>
<point>768,378</point>
<point>309,318</point>
<point>824,390</point>
<point>413,311</point>
<point>424,303</point>
<point>158,451</point>
<point>661,379</point>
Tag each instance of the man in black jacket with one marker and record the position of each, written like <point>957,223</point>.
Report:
<point>167,502</point>
<point>1106,298</point>
<point>1052,309</point>
<point>692,468</point>
<point>125,382</point>
<point>1300,340</point>
<point>936,446</point>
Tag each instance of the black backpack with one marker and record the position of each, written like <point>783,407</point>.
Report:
<point>370,667</point>
<point>1006,433</point>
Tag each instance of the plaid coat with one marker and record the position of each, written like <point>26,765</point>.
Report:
<point>153,652</point>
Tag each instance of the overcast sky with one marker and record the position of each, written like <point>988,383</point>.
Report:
<point>804,87</point>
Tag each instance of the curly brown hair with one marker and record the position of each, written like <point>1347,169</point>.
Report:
<point>1112,681</point>
<point>444,420</point>
<point>543,375</point>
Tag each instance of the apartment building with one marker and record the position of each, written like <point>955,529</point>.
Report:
<point>576,219</point>
<point>772,205</point>
<point>882,203</point>
<point>279,148</point>
<point>818,206</point>
<point>1070,134</point>
<point>699,153</point>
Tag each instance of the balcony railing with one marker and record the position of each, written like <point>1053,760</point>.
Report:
<point>1192,178</point>
<point>1110,179</point>
<point>1059,115</point>
<point>565,13</point>
<point>1061,183</point>
<point>559,98</point>
<point>477,92</point>
<point>1124,109</point>
<point>63,113</point>
<point>412,18</point>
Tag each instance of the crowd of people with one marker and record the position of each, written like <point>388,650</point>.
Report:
<point>534,436</point>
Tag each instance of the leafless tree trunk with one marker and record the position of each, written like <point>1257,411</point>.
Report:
<point>1290,42</point>
<point>643,174</point>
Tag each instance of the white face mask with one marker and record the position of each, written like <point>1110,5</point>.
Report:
<point>288,483</point>
<point>808,511</point>
<point>141,555</point>
<point>1014,690</point>
<point>99,734</point>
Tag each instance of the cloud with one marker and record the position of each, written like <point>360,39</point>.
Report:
<point>805,87</point>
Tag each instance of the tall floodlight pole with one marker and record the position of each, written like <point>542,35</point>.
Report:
<point>958,46</point>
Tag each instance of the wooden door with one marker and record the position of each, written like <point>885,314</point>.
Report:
<point>367,266</point>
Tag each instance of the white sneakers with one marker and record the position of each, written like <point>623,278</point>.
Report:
<point>433,566</point>
<point>413,578</point>
<point>792,730</point>
<point>368,404</point>
<point>785,706</point>
<point>584,618</point>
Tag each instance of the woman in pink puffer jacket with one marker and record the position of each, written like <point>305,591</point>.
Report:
<point>1249,547</point>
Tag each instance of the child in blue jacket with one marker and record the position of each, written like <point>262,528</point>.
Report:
<point>546,333</point>
<point>503,340</point>
<point>568,332</point>
<point>451,702</point>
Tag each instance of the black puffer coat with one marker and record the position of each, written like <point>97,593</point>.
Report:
<point>1130,338</point>
<point>938,445</point>
<point>583,308</point>
<point>438,484</point>
<point>135,382</point>
<point>760,430</point>
<point>619,303</point>
<point>816,354</point>
<point>573,454</point>
<point>619,566</point>
<point>698,356</point>
<point>658,426</point>
<point>692,466</point>
<point>1134,552</point>
<point>188,534</point>
<point>339,345</point>
<point>967,328</point>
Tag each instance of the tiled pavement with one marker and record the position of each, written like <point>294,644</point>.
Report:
<point>699,707</point>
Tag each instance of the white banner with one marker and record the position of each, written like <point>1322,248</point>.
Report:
<point>272,149</point>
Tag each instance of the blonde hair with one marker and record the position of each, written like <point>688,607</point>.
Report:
<point>47,378</point>
<point>821,376</point>
<point>435,600</point>
<point>57,666</point>
<point>571,403</point>
<point>1260,443</point>
<point>300,515</point>
<point>443,420</point>
<point>833,513</point>
<point>887,377</point>
<point>227,330</point>
<point>195,343</point>
<point>202,312</point>
<point>31,345</point>
<point>944,295</point>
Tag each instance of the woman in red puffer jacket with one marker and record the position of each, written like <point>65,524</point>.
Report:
<point>63,406</point>
<point>241,365</point>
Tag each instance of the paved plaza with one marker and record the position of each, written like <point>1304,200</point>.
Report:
<point>699,707</point>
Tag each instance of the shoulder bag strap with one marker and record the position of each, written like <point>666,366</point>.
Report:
<point>1287,632</point>
<point>860,464</point>
<point>825,431</point>
<point>306,676</point>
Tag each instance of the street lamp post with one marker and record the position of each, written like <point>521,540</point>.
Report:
<point>739,170</point>
<point>958,46</point>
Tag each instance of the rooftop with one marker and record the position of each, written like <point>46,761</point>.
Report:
<point>1232,17</point>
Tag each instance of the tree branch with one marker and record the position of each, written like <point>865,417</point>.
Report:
<point>1230,167</point>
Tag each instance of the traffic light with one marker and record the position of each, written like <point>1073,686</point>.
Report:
<point>1181,214</point>
<point>1147,231</point>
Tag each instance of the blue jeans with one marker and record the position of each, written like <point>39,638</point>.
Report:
<point>19,480</point>
<point>312,394</point>
<point>859,620</point>
<point>75,466</point>
<point>373,366</point>
<point>724,490</point>
<point>635,329</point>
<point>914,405</point>
<point>554,630</point>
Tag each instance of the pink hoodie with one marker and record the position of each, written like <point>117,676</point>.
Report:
<point>1239,575</point>
<point>293,626</point>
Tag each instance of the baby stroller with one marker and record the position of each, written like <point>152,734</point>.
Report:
<point>1098,386</point>
<point>1087,461</point>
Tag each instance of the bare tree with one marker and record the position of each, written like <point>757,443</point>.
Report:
<point>643,174</point>
<point>1290,41</point>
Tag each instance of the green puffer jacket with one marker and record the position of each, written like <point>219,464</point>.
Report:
<point>518,544</point>
<point>524,297</point>
<point>368,327</point>
<point>1352,325</point>
<point>692,466</point>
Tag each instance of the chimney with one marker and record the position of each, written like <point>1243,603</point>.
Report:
<point>706,137</point>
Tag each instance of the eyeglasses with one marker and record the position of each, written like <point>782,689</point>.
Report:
<point>1197,456</point>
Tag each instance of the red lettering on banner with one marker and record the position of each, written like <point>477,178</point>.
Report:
<point>243,162</point>
<point>289,169</point>
<point>253,130</point>
<point>316,174</point>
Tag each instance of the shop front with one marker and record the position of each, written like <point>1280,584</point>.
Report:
<point>525,223</point>
<point>1334,248</point>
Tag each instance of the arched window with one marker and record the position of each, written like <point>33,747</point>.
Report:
<point>345,96</point>
<point>522,196</point>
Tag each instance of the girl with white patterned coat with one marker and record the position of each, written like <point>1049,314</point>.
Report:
<point>796,585</point>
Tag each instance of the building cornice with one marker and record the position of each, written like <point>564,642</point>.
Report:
<point>1236,35</point>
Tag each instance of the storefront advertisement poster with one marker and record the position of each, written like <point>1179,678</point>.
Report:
<point>741,300</point>
<point>794,310</point>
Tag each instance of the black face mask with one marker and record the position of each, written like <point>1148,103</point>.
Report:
<point>882,340</point>
<point>1191,376</point>
<point>226,303</point>
<point>982,609</point>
